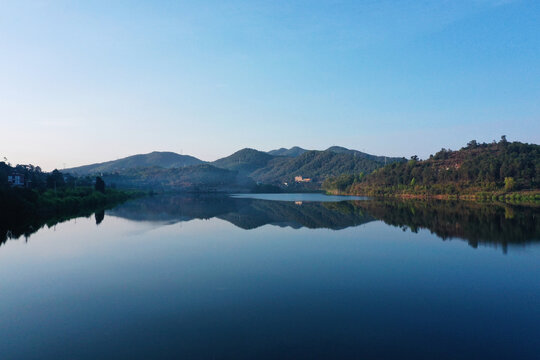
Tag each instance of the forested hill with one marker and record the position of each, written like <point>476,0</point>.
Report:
<point>502,166</point>
<point>318,165</point>
<point>313,164</point>
<point>162,159</point>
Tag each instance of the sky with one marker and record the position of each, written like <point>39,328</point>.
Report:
<point>91,81</point>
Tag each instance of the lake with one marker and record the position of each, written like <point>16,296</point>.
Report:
<point>275,276</point>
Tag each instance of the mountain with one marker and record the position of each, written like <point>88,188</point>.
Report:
<point>490,168</point>
<point>282,165</point>
<point>147,170</point>
<point>317,165</point>
<point>245,161</point>
<point>157,158</point>
<point>292,152</point>
<point>296,151</point>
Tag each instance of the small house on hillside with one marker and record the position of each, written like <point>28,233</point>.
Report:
<point>301,179</point>
<point>16,179</point>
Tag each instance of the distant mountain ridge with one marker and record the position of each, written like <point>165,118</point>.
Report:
<point>292,152</point>
<point>276,167</point>
<point>164,159</point>
<point>283,165</point>
<point>319,165</point>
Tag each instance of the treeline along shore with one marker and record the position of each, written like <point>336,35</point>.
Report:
<point>31,196</point>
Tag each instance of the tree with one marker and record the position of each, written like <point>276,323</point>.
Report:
<point>55,179</point>
<point>509,183</point>
<point>472,144</point>
<point>100,185</point>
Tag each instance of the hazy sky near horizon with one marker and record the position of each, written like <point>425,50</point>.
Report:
<point>90,81</point>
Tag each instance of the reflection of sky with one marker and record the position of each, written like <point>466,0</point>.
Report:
<point>107,80</point>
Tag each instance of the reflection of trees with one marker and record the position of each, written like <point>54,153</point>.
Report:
<point>475,222</point>
<point>99,215</point>
<point>14,228</point>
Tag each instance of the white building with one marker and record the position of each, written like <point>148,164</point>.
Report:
<point>16,179</point>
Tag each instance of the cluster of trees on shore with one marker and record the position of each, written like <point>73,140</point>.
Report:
<point>36,179</point>
<point>53,194</point>
<point>488,167</point>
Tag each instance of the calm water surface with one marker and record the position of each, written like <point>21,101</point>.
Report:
<point>300,197</point>
<point>248,278</point>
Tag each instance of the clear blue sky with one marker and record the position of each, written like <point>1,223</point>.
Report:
<point>89,81</point>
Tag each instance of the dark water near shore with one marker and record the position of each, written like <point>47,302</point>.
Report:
<point>217,277</point>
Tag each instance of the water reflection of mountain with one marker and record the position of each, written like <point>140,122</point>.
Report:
<point>474,222</point>
<point>478,224</point>
<point>243,212</point>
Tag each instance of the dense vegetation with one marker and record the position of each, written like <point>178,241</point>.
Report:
<point>199,178</point>
<point>481,169</point>
<point>318,165</point>
<point>52,195</point>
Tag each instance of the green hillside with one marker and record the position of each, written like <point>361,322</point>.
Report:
<point>503,166</point>
<point>317,165</point>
